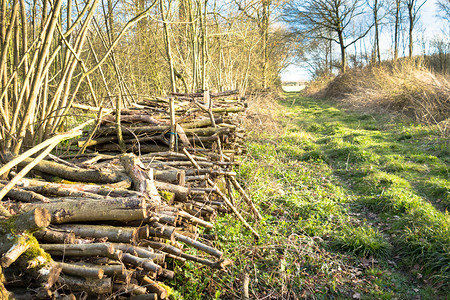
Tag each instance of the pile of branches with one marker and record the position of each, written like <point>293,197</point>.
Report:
<point>116,221</point>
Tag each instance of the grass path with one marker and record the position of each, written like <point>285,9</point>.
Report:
<point>354,205</point>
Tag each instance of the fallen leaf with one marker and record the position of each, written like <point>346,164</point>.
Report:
<point>392,262</point>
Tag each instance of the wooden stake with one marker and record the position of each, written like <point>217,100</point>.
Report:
<point>173,130</point>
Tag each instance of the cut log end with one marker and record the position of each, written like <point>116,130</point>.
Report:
<point>42,217</point>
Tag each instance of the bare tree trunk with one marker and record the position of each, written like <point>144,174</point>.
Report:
<point>411,19</point>
<point>396,28</point>
<point>377,55</point>
<point>343,56</point>
<point>194,45</point>
<point>265,34</point>
<point>168,47</point>
<point>203,21</point>
<point>38,76</point>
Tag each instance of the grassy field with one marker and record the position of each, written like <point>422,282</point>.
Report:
<point>354,205</point>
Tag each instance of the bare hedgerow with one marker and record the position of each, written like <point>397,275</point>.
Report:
<point>260,116</point>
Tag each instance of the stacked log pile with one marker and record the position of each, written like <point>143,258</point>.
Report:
<point>116,222</point>
<point>150,126</point>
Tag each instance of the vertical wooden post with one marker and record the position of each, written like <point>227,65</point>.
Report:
<point>118,125</point>
<point>173,130</point>
<point>208,103</point>
<point>206,98</point>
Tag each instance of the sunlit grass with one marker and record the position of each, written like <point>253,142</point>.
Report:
<point>338,190</point>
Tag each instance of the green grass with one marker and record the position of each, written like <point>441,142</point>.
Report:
<point>354,205</point>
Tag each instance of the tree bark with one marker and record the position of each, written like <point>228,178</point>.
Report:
<point>168,48</point>
<point>231,206</point>
<point>113,234</point>
<point>181,193</point>
<point>88,188</point>
<point>108,270</point>
<point>162,129</point>
<point>154,287</point>
<point>343,55</point>
<point>53,236</point>
<point>97,249</point>
<point>34,219</point>
<point>145,297</point>
<point>20,245</point>
<point>136,148</point>
<point>142,178</point>
<point>246,197</point>
<point>141,252</point>
<point>396,27</point>
<point>82,271</point>
<point>91,176</point>
<point>93,210</point>
<point>189,241</point>
<point>90,286</point>
<point>411,19</point>
<point>145,263</point>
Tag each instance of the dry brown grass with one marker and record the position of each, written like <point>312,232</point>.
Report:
<point>405,87</point>
<point>260,116</point>
<point>317,87</point>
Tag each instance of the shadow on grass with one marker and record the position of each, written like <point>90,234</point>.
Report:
<point>410,152</point>
<point>398,173</point>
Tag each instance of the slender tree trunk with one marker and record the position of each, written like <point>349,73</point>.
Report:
<point>194,44</point>
<point>4,101</point>
<point>38,76</point>
<point>265,33</point>
<point>203,21</point>
<point>219,51</point>
<point>168,48</point>
<point>377,38</point>
<point>343,56</point>
<point>24,48</point>
<point>396,28</point>
<point>330,71</point>
<point>411,27</point>
<point>16,47</point>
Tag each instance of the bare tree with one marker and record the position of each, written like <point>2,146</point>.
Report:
<point>57,52</point>
<point>168,45</point>
<point>49,67</point>
<point>441,46</point>
<point>444,9</point>
<point>318,56</point>
<point>262,13</point>
<point>376,6</point>
<point>413,7</point>
<point>319,17</point>
<point>397,11</point>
